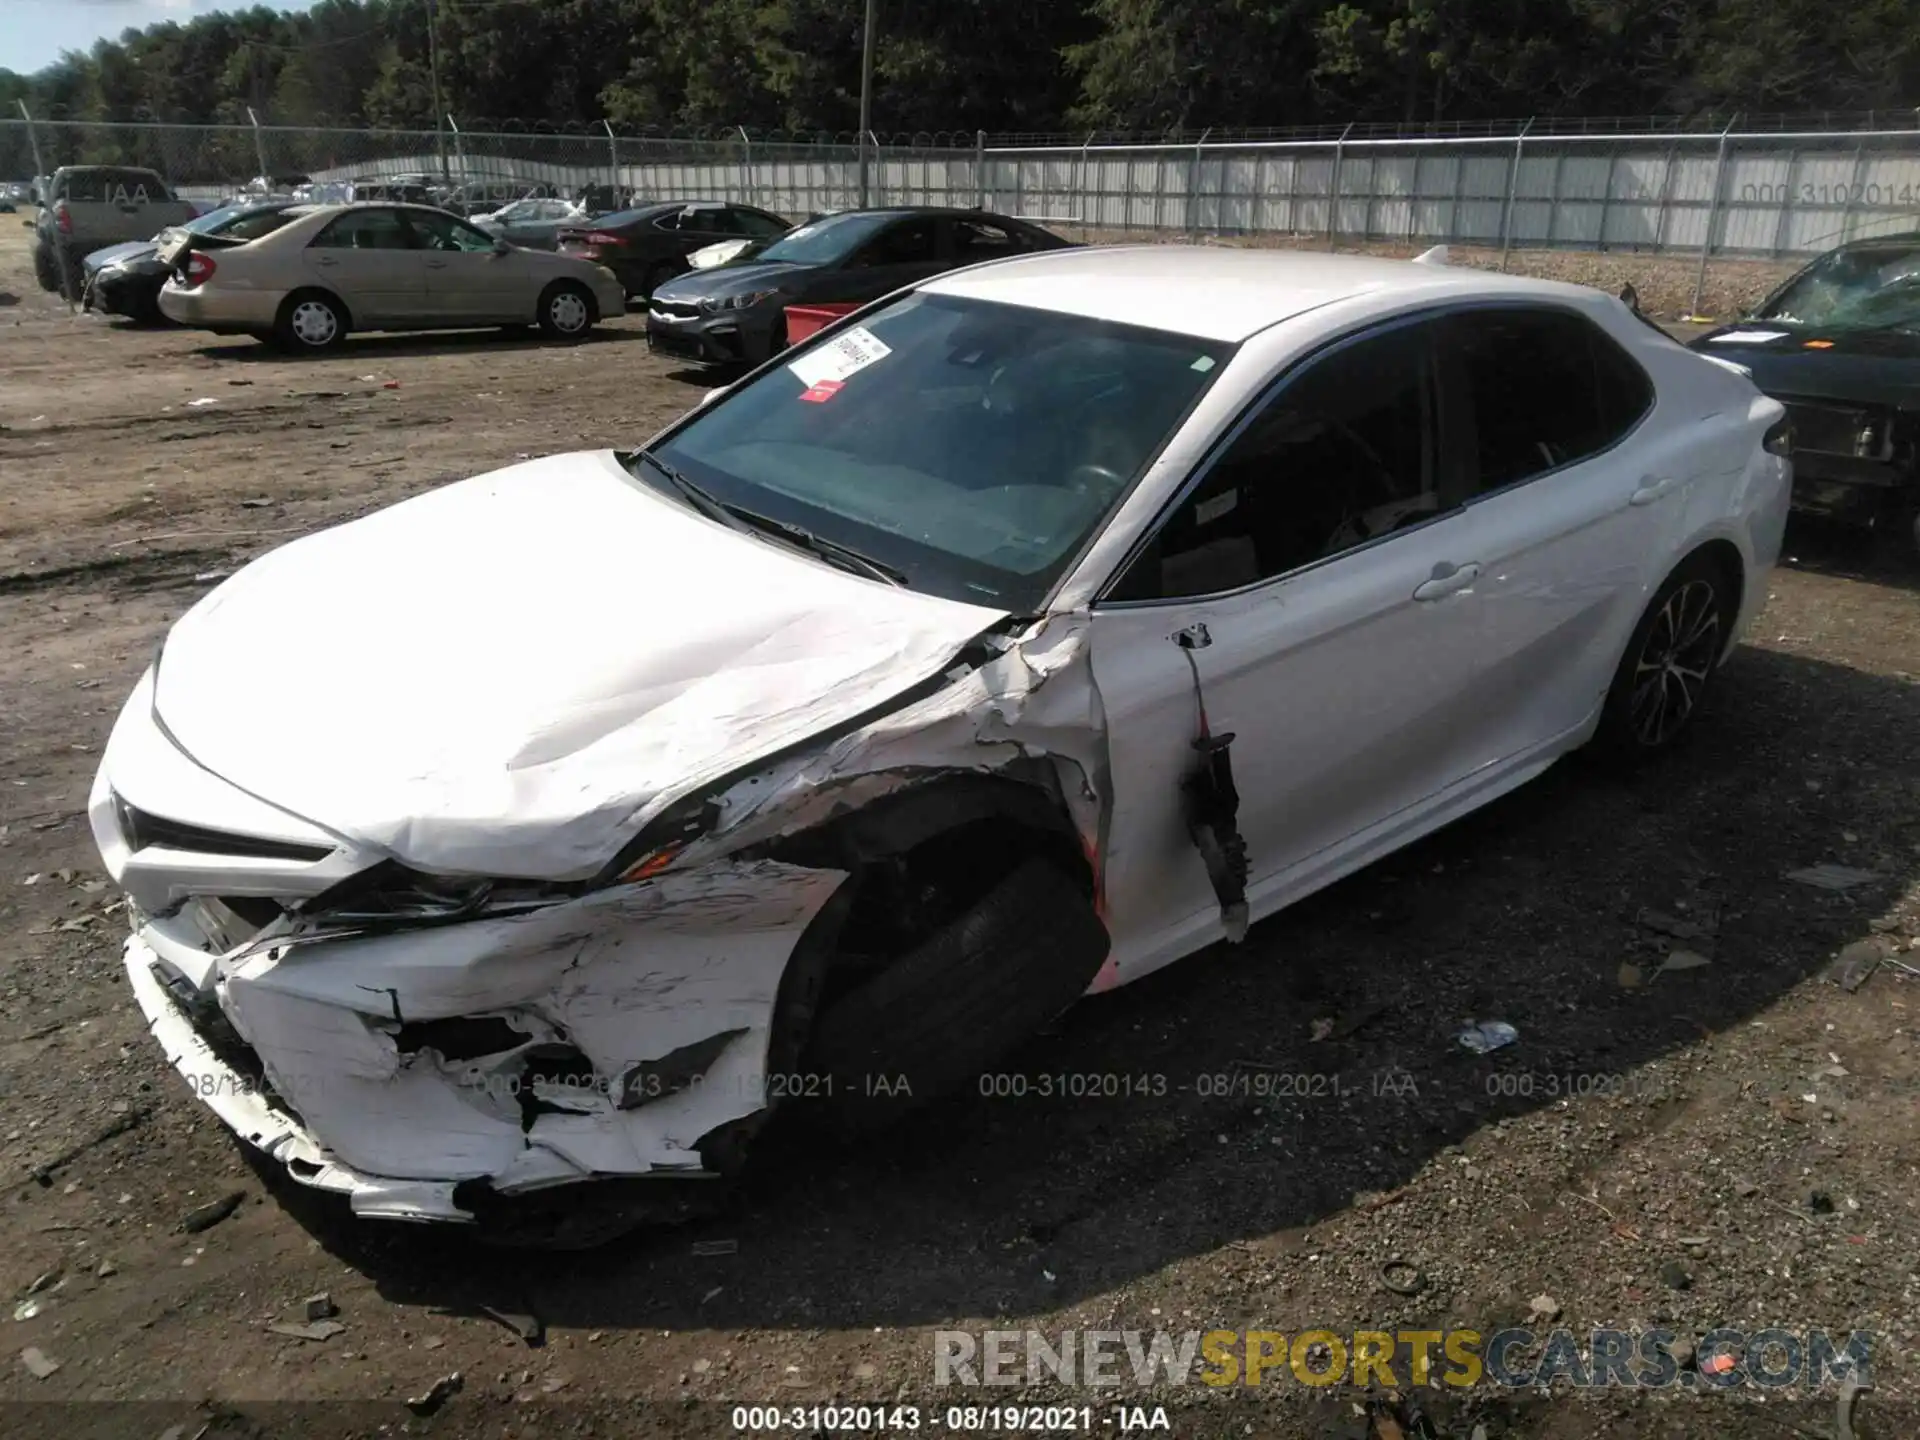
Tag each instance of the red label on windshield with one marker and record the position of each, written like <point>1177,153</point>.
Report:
<point>822,390</point>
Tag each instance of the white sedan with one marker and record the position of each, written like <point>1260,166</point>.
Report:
<point>1025,632</point>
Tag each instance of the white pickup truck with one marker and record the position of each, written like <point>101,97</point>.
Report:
<point>87,207</point>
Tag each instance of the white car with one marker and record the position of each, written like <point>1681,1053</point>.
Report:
<point>1027,631</point>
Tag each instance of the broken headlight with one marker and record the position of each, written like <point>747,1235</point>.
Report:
<point>391,894</point>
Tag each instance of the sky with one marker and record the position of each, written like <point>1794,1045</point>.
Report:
<point>33,33</point>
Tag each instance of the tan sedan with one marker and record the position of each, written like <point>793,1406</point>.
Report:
<point>339,268</point>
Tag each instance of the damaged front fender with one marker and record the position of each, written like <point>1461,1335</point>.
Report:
<point>608,1035</point>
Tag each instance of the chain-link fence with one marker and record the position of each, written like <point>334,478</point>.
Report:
<point>1749,190</point>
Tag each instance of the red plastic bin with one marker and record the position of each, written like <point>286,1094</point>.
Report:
<point>806,320</point>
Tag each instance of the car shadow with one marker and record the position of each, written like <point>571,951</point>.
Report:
<point>400,344</point>
<point>716,377</point>
<point>1195,1110</point>
<point>1814,542</point>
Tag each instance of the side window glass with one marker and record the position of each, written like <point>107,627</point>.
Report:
<point>759,226</point>
<point>365,230</point>
<point>976,240</point>
<point>911,242</point>
<point>254,226</point>
<point>443,232</point>
<point>1342,454</point>
<point>1544,389</point>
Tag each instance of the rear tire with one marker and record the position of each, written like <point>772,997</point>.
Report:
<point>46,269</point>
<point>960,1000</point>
<point>567,311</point>
<point>310,321</point>
<point>1669,662</point>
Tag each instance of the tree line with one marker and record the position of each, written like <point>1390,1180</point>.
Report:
<point>998,65</point>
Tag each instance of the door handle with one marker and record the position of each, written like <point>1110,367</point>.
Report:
<point>326,261</point>
<point>1448,579</point>
<point>436,264</point>
<point>1651,490</point>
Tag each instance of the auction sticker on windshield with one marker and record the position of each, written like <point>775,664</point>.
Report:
<point>840,357</point>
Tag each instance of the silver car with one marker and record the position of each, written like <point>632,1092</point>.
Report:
<point>340,268</point>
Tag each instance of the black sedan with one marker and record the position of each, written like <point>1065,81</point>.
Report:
<point>1839,345</point>
<point>126,279</point>
<point>650,245</point>
<point>736,314</point>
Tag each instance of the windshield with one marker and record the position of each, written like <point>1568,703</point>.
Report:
<point>1864,287</point>
<point>973,447</point>
<point>825,241</point>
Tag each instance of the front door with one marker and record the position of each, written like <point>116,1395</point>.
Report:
<point>1322,576</point>
<point>369,258</point>
<point>470,279</point>
<point>909,250</point>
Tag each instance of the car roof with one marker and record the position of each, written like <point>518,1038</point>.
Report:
<point>1219,292</point>
<point>1871,242</point>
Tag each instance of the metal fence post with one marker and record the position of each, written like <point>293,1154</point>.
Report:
<point>1606,199</point>
<point>980,169</point>
<point>1513,185</point>
<point>459,144</point>
<point>1333,188</point>
<point>746,142</point>
<point>1713,216</point>
<point>1853,184</point>
<point>33,144</point>
<point>1780,221</point>
<point>1553,205</point>
<point>259,148</point>
<point>1086,220</point>
<point>1193,185</point>
<point>613,156</point>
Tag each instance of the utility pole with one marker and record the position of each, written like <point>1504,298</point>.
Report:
<point>433,75</point>
<point>866,97</point>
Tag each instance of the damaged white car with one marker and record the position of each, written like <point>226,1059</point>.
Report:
<point>1023,633</point>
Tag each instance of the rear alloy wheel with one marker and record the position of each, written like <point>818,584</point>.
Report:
<point>1664,675</point>
<point>566,312</point>
<point>311,321</point>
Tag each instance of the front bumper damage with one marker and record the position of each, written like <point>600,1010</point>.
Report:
<point>427,1071</point>
<point>610,1035</point>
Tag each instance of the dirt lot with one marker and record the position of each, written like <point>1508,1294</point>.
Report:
<point>1728,1145</point>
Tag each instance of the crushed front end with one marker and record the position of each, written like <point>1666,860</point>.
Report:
<point>426,1043</point>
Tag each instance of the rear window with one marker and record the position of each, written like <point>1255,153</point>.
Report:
<point>114,185</point>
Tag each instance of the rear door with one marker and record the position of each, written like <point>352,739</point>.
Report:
<point>372,261</point>
<point>1571,496</point>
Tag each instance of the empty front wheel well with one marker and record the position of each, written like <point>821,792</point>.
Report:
<point>921,857</point>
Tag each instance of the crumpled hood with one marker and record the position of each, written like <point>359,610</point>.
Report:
<point>499,676</point>
<point>1871,367</point>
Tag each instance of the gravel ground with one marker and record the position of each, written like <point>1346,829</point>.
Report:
<point>1731,1144</point>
